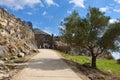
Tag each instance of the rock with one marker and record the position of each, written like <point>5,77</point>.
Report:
<point>4,51</point>
<point>3,42</point>
<point>87,64</point>
<point>21,55</point>
<point>27,51</point>
<point>96,76</point>
<point>108,71</point>
<point>91,76</point>
<point>101,77</point>
<point>2,62</point>
<point>35,50</point>
<point>3,76</point>
<point>5,59</point>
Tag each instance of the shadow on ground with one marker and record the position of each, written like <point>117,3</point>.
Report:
<point>47,64</point>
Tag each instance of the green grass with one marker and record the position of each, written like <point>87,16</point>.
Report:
<point>102,64</point>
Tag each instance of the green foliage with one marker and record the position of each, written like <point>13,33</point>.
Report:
<point>97,18</point>
<point>1,57</point>
<point>79,59</point>
<point>118,61</point>
<point>86,32</point>
<point>110,57</point>
<point>104,64</point>
<point>71,23</point>
<point>111,36</point>
<point>1,26</point>
<point>19,60</point>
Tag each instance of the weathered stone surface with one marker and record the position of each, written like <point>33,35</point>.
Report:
<point>43,39</point>
<point>15,35</point>
<point>96,76</point>
<point>4,75</point>
<point>108,71</point>
<point>21,54</point>
<point>2,62</point>
<point>4,50</point>
<point>16,39</point>
<point>62,46</point>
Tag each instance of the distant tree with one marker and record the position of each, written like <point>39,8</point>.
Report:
<point>69,27</point>
<point>92,33</point>
<point>1,26</point>
<point>29,23</point>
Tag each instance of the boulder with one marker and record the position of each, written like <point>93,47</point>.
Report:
<point>15,37</point>
<point>108,71</point>
<point>4,50</point>
<point>35,50</point>
<point>4,75</point>
<point>21,55</point>
<point>87,64</point>
<point>2,62</point>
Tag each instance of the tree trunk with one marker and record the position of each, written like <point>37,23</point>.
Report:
<point>94,62</point>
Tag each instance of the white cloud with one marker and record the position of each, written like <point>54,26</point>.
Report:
<point>62,27</point>
<point>47,30</point>
<point>29,13</point>
<point>51,2</point>
<point>78,3</point>
<point>113,20</point>
<point>44,13</point>
<point>118,1</point>
<point>69,12</point>
<point>117,10</point>
<point>19,4</point>
<point>104,9</point>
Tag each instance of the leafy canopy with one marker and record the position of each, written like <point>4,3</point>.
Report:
<point>93,33</point>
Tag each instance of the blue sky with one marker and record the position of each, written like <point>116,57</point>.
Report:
<point>48,14</point>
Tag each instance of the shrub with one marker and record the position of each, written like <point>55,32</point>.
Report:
<point>1,26</point>
<point>118,61</point>
<point>1,57</point>
<point>110,57</point>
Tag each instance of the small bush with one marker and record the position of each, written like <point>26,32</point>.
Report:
<point>12,58</point>
<point>35,51</point>
<point>110,57</point>
<point>1,26</point>
<point>19,60</point>
<point>1,57</point>
<point>118,61</point>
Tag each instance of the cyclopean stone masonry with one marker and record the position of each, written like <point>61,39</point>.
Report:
<point>15,35</point>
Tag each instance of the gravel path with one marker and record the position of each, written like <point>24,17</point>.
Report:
<point>47,65</point>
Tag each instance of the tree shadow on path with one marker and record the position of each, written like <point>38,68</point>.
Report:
<point>48,64</point>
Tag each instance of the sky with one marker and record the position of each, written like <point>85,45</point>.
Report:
<point>48,14</point>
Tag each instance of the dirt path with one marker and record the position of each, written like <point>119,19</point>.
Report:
<point>47,65</point>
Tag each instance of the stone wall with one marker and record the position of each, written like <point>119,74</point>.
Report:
<point>15,35</point>
<point>44,40</point>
